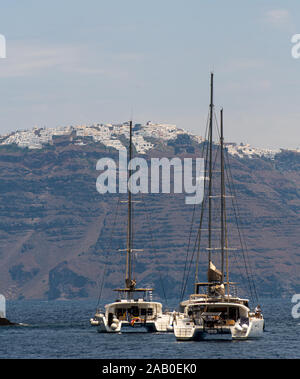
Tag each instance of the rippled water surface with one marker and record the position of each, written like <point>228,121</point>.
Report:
<point>61,329</point>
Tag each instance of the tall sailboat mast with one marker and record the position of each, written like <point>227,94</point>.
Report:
<point>139,314</point>
<point>213,274</point>
<point>128,279</point>
<point>222,196</point>
<point>210,164</point>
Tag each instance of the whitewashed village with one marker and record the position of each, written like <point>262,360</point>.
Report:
<point>110,136</point>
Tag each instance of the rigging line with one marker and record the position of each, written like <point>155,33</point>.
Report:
<point>245,244</point>
<point>133,255</point>
<point>199,232</point>
<point>222,206</point>
<point>193,216</point>
<point>190,263</point>
<point>107,254</point>
<point>185,279</point>
<point>241,242</point>
<point>202,210</point>
<point>242,239</point>
<point>153,249</point>
<point>217,125</point>
<point>194,208</point>
<point>234,252</point>
<point>197,242</point>
<point>198,239</point>
<point>246,251</point>
<point>188,248</point>
<point>234,255</point>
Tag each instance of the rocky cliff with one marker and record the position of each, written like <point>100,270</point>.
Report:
<point>58,234</point>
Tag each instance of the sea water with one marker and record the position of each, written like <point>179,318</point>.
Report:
<point>61,329</point>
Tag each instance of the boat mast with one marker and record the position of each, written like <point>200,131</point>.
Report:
<point>224,233</point>
<point>128,279</point>
<point>222,196</point>
<point>210,165</point>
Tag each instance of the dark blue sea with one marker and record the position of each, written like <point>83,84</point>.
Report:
<point>61,329</point>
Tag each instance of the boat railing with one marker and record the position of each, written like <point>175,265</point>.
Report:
<point>233,290</point>
<point>196,296</point>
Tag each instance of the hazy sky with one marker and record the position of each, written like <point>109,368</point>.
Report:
<point>73,62</point>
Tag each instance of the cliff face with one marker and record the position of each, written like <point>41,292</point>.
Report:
<point>57,232</point>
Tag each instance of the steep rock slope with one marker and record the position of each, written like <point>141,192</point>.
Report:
<point>58,234</point>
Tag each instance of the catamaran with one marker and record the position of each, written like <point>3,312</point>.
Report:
<point>134,310</point>
<point>214,311</point>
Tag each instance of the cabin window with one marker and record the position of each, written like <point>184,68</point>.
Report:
<point>120,312</point>
<point>149,311</point>
<point>233,313</point>
<point>143,312</point>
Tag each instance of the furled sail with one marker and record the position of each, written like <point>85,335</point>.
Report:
<point>130,283</point>
<point>213,274</point>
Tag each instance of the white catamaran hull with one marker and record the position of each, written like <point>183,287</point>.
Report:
<point>255,329</point>
<point>198,333</point>
<point>209,320</point>
<point>187,331</point>
<point>162,324</point>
